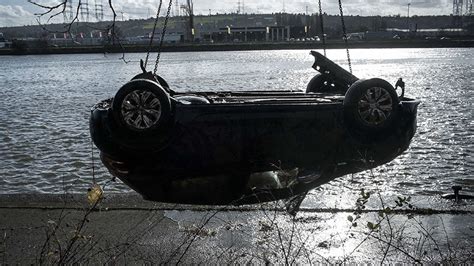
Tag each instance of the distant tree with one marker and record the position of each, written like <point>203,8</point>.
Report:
<point>40,44</point>
<point>19,46</point>
<point>44,35</point>
<point>112,39</point>
<point>469,28</point>
<point>383,24</point>
<point>362,28</point>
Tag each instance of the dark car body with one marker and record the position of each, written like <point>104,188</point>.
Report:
<point>248,147</point>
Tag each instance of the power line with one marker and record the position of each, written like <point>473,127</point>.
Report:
<point>457,7</point>
<point>68,11</point>
<point>99,10</point>
<point>177,8</point>
<point>461,8</point>
<point>468,11</point>
<point>84,10</point>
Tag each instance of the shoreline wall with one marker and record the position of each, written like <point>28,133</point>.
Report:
<point>244,47</point>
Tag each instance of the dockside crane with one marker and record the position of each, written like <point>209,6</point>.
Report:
<point>188,13</point>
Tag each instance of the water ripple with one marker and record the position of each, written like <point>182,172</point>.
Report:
<point>44,111</point>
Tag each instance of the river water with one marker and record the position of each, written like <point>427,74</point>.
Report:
<point>46,99</point>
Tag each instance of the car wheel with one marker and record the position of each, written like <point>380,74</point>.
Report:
<point>319,83</point>
<point>141,107</point>
<point>371,106</point>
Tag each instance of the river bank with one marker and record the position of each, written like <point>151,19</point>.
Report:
<point>331,44</point>
<point>126,229</point>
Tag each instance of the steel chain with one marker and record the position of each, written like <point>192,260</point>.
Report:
<point>163,32</point>
<point>153,32</point>
<point>321,22</point>
<point>345,36</point>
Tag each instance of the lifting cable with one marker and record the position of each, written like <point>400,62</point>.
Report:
<point>163,32</point>
<point>321,22</point>
<point>345,36</point>
<point>153,33</point>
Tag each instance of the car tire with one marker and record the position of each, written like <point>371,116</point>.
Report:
<point>141,108</point>
<point>371,106</point>
<point>154,77</point>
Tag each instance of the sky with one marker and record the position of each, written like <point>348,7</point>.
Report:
<point>21,12</point>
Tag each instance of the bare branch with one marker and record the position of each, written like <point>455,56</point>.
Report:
<point>49,8</point>
<point>112,27</point>
<point>61,6</point>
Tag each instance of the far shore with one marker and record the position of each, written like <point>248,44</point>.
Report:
<point>244,47</point>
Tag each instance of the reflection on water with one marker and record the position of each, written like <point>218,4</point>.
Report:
<point>45,105</point>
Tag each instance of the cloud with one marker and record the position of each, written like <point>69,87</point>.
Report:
<point>14,12</point>
<point>14,15</point>
<point>354,7</point>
